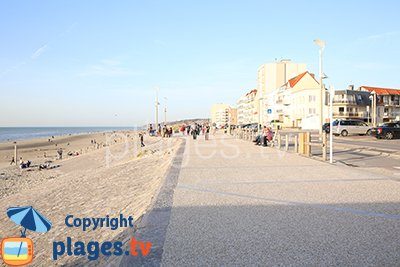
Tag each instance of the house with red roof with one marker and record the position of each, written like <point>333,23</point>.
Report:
<point>296,103</point>
<point>388,102</point>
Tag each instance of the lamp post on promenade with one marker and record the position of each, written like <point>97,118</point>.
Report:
<point>321,45</point>
<point>331,95</point>
<point>165,111</point>
<point>373,98</point>
<point>157,104</point>
<point>260,114</point>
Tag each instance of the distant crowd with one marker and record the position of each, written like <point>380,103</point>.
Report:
<point>193,129</point>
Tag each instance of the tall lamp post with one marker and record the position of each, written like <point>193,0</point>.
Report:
<point>331,95</point>
<point>373,99</point>
<point>165,111</point>
<point>157,104</point>
<point>321,45</point>
<point>260,114</point>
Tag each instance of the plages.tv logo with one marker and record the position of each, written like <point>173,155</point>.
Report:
<point>18,251</point>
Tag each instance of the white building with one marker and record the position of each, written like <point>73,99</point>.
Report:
<point>271,77</point>
<point>296,103</point>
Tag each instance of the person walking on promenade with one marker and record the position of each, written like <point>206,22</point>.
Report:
<point>207,132</point>
<point>194,134</point>
<point>182,130</point>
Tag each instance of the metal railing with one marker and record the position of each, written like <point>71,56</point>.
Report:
<point>301,143</point>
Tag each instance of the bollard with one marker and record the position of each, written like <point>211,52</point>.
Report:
<point>15,153</point>
<point>307,144</point>
<point>286,142</point>
<point>279,141</point>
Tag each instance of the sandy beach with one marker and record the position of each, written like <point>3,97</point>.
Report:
<point>114,176</point>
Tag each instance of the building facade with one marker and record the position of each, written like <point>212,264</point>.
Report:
<point>271,77</point>
<point>351,104</point>
<point>223,115</point>
<point>248,108</point>
<point>388,102</point>
<point>296,103</point>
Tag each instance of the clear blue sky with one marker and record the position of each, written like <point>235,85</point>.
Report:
<point>78,63</point>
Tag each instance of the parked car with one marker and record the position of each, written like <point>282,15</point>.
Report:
<point>346,127</point>
<point>387,130</point>
<point>326,127</point>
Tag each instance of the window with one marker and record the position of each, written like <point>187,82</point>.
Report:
<point>341,109</point>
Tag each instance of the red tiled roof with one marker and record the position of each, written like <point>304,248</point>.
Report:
<point>292,82</point>
<point>252,91</point>
<point>382,91</point>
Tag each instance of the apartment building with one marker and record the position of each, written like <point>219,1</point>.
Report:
<point>248,108</point>
<point>296,103</point>
<point>388,102</point>
<point>352,104</point>
<point>271,77</point>
<point>223,115</point>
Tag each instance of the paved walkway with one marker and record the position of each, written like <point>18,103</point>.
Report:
<point>238,204</point>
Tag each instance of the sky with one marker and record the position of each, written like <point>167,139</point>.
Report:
<point>98,63</point>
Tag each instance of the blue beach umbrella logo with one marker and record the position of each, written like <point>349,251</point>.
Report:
<point>22,248</point>
<point>29,218</point>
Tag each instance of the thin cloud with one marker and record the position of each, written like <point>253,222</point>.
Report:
<point>39,52</point>
<point>380,36</point>
<point>107,68</point>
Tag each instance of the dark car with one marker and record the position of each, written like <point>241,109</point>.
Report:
<point>327,126</point>
<point>387,130</point>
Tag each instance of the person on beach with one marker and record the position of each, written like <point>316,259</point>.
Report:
<point>60,152</point>
<point>13,161</point>
<point>141,139</point>
<point>207,132</point>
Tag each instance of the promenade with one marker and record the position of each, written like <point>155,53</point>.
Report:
<point>236,204</point>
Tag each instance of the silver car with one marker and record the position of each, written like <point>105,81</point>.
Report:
<point>346,127</point>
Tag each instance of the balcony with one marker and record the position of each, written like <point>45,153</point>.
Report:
<point>350,114</point>
<point>344,101</point>
<point>391,114</point>
<point>391,103</point>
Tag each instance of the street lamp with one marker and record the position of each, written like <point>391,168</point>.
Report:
<point>157,104</point>
<point>260,114</point>
<point>331,95</point>
<point>321,45</point>
<point>165,111</point>
<point>373,98</point>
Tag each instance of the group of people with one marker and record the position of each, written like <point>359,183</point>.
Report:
<point>195,130</point>
<point>167,132</point>
<point>264,137</point>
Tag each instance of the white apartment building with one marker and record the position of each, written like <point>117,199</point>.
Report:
<point>296,103</point>
<point>248,108</point>
<point>223,115</point>
<point>271,77</point>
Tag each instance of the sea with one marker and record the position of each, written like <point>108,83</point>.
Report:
<point>25,133</point>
